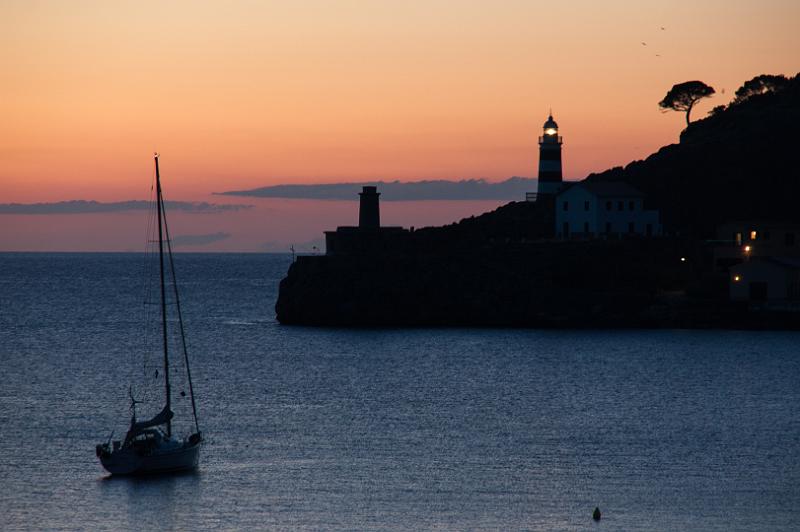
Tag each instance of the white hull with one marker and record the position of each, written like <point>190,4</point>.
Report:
<point>128,462</point>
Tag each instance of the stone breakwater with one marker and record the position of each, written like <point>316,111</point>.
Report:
<point>635,283</point>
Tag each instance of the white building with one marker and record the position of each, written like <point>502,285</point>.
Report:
<point>603,210</point>
<point>766,279</point>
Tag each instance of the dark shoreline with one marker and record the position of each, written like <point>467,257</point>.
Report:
<point>636,284</point>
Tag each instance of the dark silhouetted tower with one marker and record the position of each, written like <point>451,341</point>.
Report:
<point>369,214</point>
<point>549,159</point>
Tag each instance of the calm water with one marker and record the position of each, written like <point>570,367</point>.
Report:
<point>324,429</point>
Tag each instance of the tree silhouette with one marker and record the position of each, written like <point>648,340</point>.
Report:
<point>760,85</point>
<point>683,96</point>
<point>716,110</point>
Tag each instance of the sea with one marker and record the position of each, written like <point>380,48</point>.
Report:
<point>381,429</point>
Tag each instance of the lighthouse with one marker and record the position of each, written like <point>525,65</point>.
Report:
<point>549,160</point>
<point>369,214</point>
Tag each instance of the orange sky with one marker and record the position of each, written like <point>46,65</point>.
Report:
<point>240,94</point>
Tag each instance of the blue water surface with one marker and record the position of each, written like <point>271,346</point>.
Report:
<point>384,429</point>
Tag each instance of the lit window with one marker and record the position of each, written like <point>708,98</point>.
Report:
<point>753,235</point>
<point>738,238</point>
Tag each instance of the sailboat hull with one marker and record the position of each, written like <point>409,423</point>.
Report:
<point>128,461</point>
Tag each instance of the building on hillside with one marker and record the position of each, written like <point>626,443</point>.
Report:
<point>368,236</point>
<point>739,241</point>
<point>769,279</point>
<point>603,210</point>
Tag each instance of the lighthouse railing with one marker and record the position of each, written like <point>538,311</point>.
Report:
<point>549,140</point>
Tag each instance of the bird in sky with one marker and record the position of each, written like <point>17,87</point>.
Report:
<point>644,44</point>
<point>663,28</point>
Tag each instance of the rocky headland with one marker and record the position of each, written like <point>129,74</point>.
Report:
<point>505,268</point>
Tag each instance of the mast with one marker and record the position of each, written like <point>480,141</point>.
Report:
<point>163,296</point>
<point>180,320</point>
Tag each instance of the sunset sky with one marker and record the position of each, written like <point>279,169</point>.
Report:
<point>241,94</point>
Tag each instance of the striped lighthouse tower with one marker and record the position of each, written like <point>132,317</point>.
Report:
<point>549,159</point>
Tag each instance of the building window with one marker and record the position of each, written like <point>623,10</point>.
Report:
<point>608,227</point>
<point>738,238</point>
<point>620,205</point>
<point>566,205</point>
<point>608,205</point>
<point>586,227</point>
<point>789,239</point>
<point>631,205</point>
<point>753,235</point>
<point>566,229</point>
<point>630,227</point>
<point>585,205</point>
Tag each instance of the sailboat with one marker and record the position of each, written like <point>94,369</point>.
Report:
<point>149,445</point>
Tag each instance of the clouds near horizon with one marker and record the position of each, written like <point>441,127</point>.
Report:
<point>511,189</point>
<point>91,207</point>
